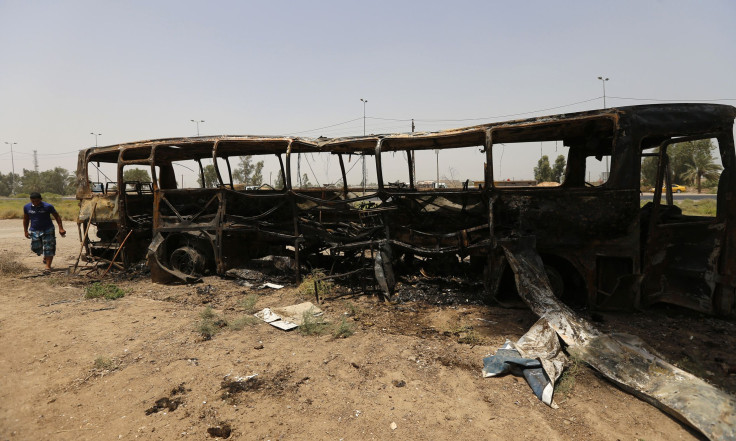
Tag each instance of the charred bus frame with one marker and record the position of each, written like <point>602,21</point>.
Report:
<point>595,238</point>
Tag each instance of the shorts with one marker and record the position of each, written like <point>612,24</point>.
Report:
<point>44,241</point>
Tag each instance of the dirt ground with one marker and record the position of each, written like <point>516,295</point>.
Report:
<point>137,367</point>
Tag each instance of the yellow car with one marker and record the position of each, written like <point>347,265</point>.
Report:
<point>676,188</point>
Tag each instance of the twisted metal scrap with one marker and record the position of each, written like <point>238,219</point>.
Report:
<point>623,359</point>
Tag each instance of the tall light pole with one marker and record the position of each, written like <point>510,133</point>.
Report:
<point>603,81</point>
<point>437,154</point>
<point>197,121</point>
<point>364,102</point>
<point>12,162</point>
<point>182,175</point>
<point>98,164</point>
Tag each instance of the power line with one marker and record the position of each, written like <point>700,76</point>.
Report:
<point>51,154</point>
<point>671,101</point>
<point>509,115</point>
<point>491,117</point>
<point>326,127</point>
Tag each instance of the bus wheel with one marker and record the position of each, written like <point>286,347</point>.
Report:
<point>187,260</point>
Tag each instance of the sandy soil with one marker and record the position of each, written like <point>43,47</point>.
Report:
<point>404,365</point>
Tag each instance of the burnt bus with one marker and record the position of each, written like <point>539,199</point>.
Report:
<point>600,245</point>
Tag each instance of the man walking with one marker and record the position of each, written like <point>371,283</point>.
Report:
<point>43,240</point>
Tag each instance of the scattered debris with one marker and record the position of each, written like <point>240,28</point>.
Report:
<point>295,313</point>
<point>393,425</point>
<point>222,430</point>
<point>271,285</point>
<point>288,317</point>
<point>623,359</point>
<point>170,403</point>
<point>284,264</point>
<point>509,360</point>
<point>398,383</point>
<point>246,274</point>
<point>206,290</point>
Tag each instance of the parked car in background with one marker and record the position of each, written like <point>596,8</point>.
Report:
<point>676,188</point>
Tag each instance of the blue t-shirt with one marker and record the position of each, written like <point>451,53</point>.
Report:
<point>40,215</point>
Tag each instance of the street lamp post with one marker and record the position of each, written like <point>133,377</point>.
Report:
<point>437,154</point>
<point>98,164</point>
<point>603,81</point>
<point>197,123</point>
<point>364,102</point>
<point>12,162</point>
<point>182,175</point>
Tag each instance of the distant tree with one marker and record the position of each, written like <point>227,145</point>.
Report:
<point>701,166</point>
<point>648,171</point>
<point>689,162</point>
<point>29,182</point>
<point>57,180</point>
<point>558,171</point>
<point>543,171</point>
<point>279,183</point>
<point>210,177</point>
<point>7,182</point>
<point>136,174</point>
<point>247,172</point>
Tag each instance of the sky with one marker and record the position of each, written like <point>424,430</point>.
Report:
<point>135,70</point>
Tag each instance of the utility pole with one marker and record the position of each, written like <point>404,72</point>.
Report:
<point>35,161</point>
<point>12,162</point>
<point>197,123</point>
<point>363,153</point>
<point>603,81</point>
<point>98,163</point>
<point>437,154</point>
<point>413,157</point>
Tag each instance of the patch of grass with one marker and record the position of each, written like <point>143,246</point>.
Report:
<point>566,383</point>
<point>343,329</point>
<point>306,288</point>
<point>68,209</point>
<point>692,207</point>
<point>352,309</point>
<point>208,313</point>
<point>10,264</point>
<point>470,337</point>
<point>207,329</point>
<point>465,335</point>
<point>107,291</point>
<point>701,207</point>
<point>312,325</point>
<point>105,363</point>
<point>241,322</point>
<point>248,303</point>
<point>209,322</point>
